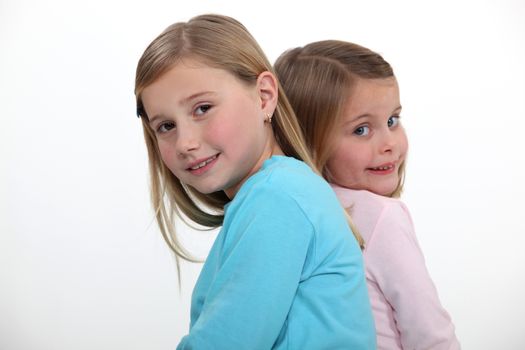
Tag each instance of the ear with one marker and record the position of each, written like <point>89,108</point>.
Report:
<point>268,89</point>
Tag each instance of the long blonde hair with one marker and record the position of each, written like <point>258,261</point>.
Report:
<point>220,42</point>
<point>318,79</point>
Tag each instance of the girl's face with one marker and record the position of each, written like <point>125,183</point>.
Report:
<point>371,144</point>
<point>210,126</point>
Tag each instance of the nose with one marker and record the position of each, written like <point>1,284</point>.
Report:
<point>387,142</point>
<point>188,140</point>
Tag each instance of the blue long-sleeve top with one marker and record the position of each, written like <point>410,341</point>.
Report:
<point>285,271</point>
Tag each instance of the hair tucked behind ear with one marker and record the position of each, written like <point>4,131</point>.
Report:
<point>318,79</point>
<point>224,43</point>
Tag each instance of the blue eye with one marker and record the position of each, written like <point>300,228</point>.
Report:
<point>165,127</point>
<point>362,131</point>
<point>393,121</point>
<point>202,109</point>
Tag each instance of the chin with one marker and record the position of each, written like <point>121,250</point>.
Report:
<point>208,190</point>
<point>204,189</point>
<point>384,190</point>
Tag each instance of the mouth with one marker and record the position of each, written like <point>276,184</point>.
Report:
<point>201,164</point>
<point>383,169</point>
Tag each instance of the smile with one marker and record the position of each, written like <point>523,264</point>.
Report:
<point>203,163</point>
<point>384,167</point>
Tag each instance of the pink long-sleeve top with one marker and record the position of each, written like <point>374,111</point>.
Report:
<point>405,304</point>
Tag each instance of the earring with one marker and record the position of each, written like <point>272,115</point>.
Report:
<point>268,118</point>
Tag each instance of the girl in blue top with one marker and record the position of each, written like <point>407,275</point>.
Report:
<point>285,271</point>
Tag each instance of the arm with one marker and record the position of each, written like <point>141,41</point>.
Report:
<point>395,260</point>
<point>257,276</point>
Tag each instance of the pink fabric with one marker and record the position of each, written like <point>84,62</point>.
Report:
<point>405,303</point>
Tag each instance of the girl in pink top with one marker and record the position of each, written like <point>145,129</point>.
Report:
<point>347,100</point>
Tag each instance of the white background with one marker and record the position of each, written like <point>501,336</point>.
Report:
<point>82,264</point>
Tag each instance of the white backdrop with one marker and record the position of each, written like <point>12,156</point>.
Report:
<point>82,265</point>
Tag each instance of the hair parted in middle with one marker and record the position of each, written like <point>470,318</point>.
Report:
<point>219,42</point>
<point>318,79</point>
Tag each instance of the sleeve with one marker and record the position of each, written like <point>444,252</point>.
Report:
<point>396,262</point>
<point>259,273</point>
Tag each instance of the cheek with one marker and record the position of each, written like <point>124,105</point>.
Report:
<point>403,142</point>
<point>218,129</point>
<point>167,154</point>
<point>344,160</point>
<point>216,133</point>
<point>234,132</point>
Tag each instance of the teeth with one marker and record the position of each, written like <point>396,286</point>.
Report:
<point>384,167</point>
<point>201,164</point>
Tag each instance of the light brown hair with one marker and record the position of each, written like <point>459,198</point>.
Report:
<point>318,80</point>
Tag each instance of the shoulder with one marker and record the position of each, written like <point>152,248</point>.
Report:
<point>290,172</point>
<point>371,212</point>
<point>286,187</point>
<point>272,189</point>
<point>349,197</point>
<point>286,176</point>
<point>267,209</point>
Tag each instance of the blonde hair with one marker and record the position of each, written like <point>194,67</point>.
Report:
<point>318,80</point>
<point>220,42</point>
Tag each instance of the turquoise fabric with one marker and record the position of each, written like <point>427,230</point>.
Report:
<point>285,271</point>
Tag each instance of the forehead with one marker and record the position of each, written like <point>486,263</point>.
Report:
<point>189,72</point>
<point>368,95</point>
<point>186,77</point>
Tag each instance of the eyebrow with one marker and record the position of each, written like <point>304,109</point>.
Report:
<point>157,116</point>
<point>194,96</point>
<point>184,101</point>
<point>362,116</point>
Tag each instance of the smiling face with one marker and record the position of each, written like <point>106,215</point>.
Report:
<point>370,144</point>
<point>210,126</point>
